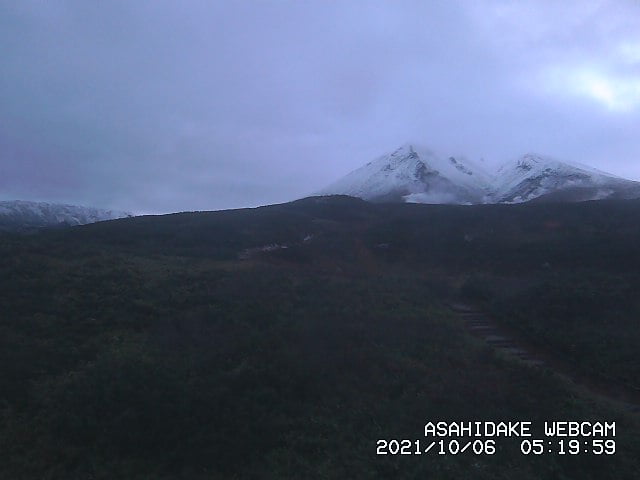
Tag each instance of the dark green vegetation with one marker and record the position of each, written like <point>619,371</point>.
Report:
<point>174,347</point>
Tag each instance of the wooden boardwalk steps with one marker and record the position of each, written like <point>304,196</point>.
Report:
<point>481,326</point>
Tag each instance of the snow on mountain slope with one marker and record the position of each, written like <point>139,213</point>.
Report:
<point>414,174</point>
<point>534,176</point>
<point>21,215</point>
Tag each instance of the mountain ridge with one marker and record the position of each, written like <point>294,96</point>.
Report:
<point>20,215</point>
<point>417,175</point>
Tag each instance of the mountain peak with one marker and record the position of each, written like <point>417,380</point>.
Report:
<point>415,174</point>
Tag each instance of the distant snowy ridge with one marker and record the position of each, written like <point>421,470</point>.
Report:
<point>22,215</point>
<point>418,175</point>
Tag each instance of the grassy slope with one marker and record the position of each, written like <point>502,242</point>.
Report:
<point>143,348</point>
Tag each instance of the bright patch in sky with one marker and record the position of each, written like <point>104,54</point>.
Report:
<point>601,90</point>
<point>620,94</point>
<point>616,93</point>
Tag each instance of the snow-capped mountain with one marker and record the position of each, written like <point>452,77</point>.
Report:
<point>418,175</point>
<point>540,177</point>
<point>413,174</point>
<point>24,215</point>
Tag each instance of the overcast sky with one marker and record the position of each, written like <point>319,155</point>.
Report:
<point>158,106</point>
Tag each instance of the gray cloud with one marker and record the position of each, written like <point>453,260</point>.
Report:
<point>157,106</point>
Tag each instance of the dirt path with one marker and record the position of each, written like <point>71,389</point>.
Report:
<point>512,345</point>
